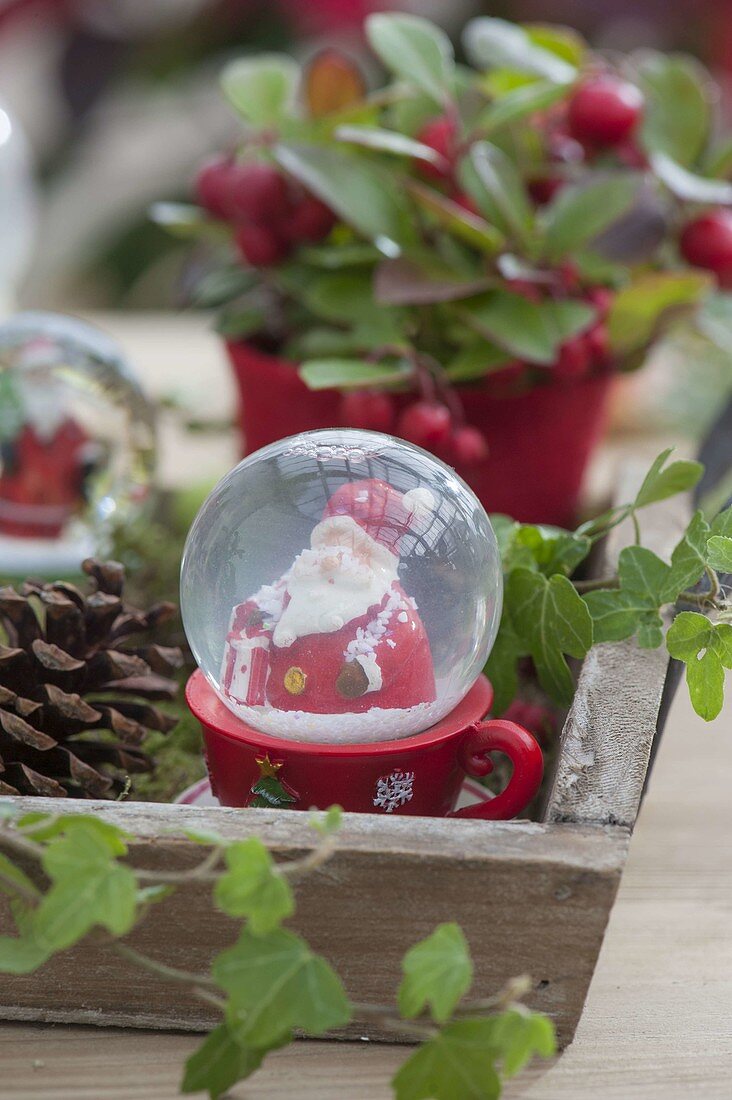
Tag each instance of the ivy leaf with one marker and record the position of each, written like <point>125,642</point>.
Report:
<point>582,211</point>
<point>530,331</point>
<point>638,309</point>
<point>719,553</point>
<point>502,665</point>
<point>323,374</point>
<point>262,89</point>
<point>551,619</point>
<point>677,114</point>
<point>438,971</point>
<point>663,481</point>
<point>688,559</point>
<point>497,44</point>
<point>518,1035</point>
<point>328,822</point>
<point>21,954</point>
<point>362,194</point>
<point>277,983</point>
<point>553,550</point>
<point>73,906</point>
<point>457,1063</point>
<point>416,50</point>
<point>494,182</point>
<point>252,888</point>
<point>219,1062</point>
<point>618,613</point>
<point>11,876</point>
<point>688,186</point>
<point>722,523</point>
<point>706,649</point>
<point>82,848</point>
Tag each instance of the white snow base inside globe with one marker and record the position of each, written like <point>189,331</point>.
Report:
<point>376,724</point>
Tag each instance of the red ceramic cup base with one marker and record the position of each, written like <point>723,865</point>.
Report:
<point>419,775</point>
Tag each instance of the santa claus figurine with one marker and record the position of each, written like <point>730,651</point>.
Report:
<point>337,634</point>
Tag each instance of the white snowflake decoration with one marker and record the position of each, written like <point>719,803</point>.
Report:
<point>392,791</point>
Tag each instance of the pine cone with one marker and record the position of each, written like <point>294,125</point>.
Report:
<point>74,704</point>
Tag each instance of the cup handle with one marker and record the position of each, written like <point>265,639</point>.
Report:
<point>499,735</point>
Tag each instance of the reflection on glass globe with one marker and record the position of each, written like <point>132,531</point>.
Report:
<point>76,442</point>
<point>341,586</point>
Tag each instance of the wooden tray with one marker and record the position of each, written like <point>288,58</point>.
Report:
<point>532,897</point>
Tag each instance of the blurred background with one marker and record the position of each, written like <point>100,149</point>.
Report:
<point>111,103</point>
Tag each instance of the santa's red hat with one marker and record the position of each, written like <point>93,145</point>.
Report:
<point>382,512</point>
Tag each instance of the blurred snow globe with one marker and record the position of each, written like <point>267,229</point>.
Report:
<point>341,586</point>
<point>77,443</point>
<point>18,214</point>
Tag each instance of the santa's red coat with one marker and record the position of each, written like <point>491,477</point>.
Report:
<point>310,675</point>
<point>42,481</point>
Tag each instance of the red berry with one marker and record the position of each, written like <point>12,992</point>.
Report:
<point>370,410</point>
<point>573,360</point>
<point>259,246</point>
<point>212,186</point>
<point>604,110</point>
<point>469,446</point>
<point>440,134</point>
<point>311,220</point>
<point>601,298</point>
<point>258,193</point>
<point>569,275</point>
<point>707,242</point>
<point>525,288</point>
<point>426,423</point>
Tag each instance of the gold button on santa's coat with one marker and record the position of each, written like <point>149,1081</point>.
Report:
<point>295,680</point>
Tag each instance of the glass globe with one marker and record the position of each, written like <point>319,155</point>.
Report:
<point>77,442</point>
<point>341,586</point>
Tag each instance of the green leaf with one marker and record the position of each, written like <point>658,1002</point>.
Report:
<point>719,553</point>
<point>638,309</point>
<point>497,44</point>
<point>187,222</point>
<point>403,282</point>
<point>722,523</point>
<point>252,888</point>
<point>494,182</point>
<point>219,1062</point>
<point>582,211</point>
<point>277,983</point>
<point>329,822</point>
<point>521,103</point>
<point>502,665</point>
<point>218,287</point>
<point>74,905</point>
<point>261,88</point>
<point>632,608</point>
<point>84,846</point>
<point>529,330</point>
<point>438,972</point>
<point>416,50</point>
<point>688,559</point>
<point>458,221</point>
<point>323,374</point>
<point>10,876</point>
<point>459,1063</point>
<point>677,114</point>
<point>388,141</point>
<point>562,41</point>
<point>706,650</point>
<point>364,195</point>
<point>552,549</point>
<point>21,955</point>
<point>663,481</point>
<point>518,1035</point>
<point>551,619</point>
<point>688,186</point>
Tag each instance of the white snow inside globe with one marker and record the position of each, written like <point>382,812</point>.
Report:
<point>77,442</point>
<point>341,586</point>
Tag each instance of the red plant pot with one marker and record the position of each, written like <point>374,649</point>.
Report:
<point>540,441</point>
<point>419,775</point>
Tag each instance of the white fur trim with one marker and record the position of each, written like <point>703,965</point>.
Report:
<point>421,501</point>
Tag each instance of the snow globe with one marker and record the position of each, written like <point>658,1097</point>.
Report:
<point>76,442</point>
<point>341,591</point>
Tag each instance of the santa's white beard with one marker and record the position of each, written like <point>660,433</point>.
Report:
<point>44,408</point>
<point>324,596</point>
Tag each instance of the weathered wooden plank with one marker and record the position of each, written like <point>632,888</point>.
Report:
<point>607,737</point>
<point>531,898</point>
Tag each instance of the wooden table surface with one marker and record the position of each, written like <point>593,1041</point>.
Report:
<point>658,1020</point>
